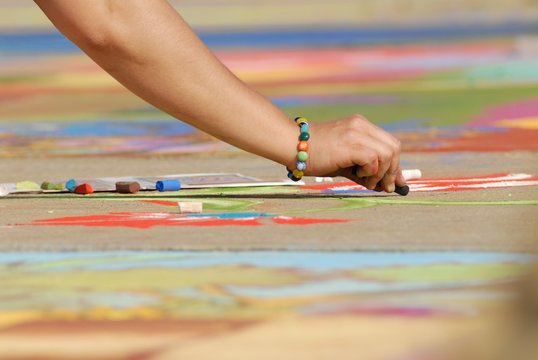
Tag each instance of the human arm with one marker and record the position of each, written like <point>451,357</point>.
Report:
<point>151,50</point>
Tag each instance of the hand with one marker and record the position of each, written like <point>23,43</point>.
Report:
<point>337,146</point>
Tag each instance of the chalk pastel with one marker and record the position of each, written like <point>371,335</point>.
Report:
<point>71,185</point>
<point>168,185</point>
<point>127,187</point>
<point>84,189</point>
<point>52,186</point>
<point>402,190</point>
<point>412,174</point>
<point>190,207</point>
<point>27,185</point>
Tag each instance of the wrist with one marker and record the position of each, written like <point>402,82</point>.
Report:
<point>297,170</point>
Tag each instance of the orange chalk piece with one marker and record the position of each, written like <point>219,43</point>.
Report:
<point>84,189</point>
<point>127,187</point>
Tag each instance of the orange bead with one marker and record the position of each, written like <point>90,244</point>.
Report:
<point>302,146</point>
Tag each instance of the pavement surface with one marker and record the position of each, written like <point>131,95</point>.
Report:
<point>320,271</point>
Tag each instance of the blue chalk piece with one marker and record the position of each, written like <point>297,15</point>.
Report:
<point>168,185</point>
<point>71,185</point>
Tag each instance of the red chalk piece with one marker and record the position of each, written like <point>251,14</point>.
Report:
<point>84,189</point>
<point>127,187</point>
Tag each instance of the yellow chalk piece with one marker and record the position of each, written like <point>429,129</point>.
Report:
<point>27,185</point>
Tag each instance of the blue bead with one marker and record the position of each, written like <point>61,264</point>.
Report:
<point>300,165</point>
<point>304,128</point>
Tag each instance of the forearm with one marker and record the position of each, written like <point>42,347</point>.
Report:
<point>148,48</point>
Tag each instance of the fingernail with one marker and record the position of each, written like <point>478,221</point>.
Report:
<point>391,188</point>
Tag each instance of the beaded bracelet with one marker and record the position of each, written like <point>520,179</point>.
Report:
<point>302,150</point>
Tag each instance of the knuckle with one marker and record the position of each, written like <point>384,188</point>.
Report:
<point>386,154</point>
<point>355,123</point>
<point>358,117</point>
<point>370,158</point>
<point>397,145</point>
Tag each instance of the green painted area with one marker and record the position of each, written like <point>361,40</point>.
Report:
<point>454,203</point>
<point>343,204</point>
<point>436,107</point>
<point>22,79</point>
<point>229,204</point>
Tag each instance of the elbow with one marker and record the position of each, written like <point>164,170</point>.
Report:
<point>97,39</point>
<point>108,46</point>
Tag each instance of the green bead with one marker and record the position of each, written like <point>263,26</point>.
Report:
<point>302,156</point>
<point>304,136</point>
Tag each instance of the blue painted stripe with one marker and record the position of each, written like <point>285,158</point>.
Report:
<point>43,42</point>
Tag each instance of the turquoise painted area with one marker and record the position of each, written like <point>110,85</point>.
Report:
<point>523,70</point>
<point>110,128</point>
<point>343,286</point>
<point>307,261</point>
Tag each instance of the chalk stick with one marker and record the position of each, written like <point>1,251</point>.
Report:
<point>71,185</point>
<point>402,190</point>
<point>27,185</point>
<point>52,186</point>
<point>127,187</point>
<point>412,174</point>
<point>168,185</point>
<point>324,179</point>
<point>84,189</point>
<point>6,189</point>
<point>190,207</point>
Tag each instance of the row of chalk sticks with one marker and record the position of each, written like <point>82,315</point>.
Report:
<point>128,187</point>
<point>122,187</point>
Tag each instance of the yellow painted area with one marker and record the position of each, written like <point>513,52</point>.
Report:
<point>13,317</point>
<point>80,80</point>
<point>445,272</point>
<point>152,278</point>
<point>289,14</point>
<point>530,123</point>
<point>23,17</point>
<point>24,14</point>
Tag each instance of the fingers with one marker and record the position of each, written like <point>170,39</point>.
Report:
<point>400,180</point>
<point>389,178</point>
<point>383,148</point>
<point>385,158</point>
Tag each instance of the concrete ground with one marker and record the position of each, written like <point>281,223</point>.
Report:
<point>500,219</point>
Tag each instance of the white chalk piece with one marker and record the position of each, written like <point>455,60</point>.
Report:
<point>190,207</point>
<point>412,174</point>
